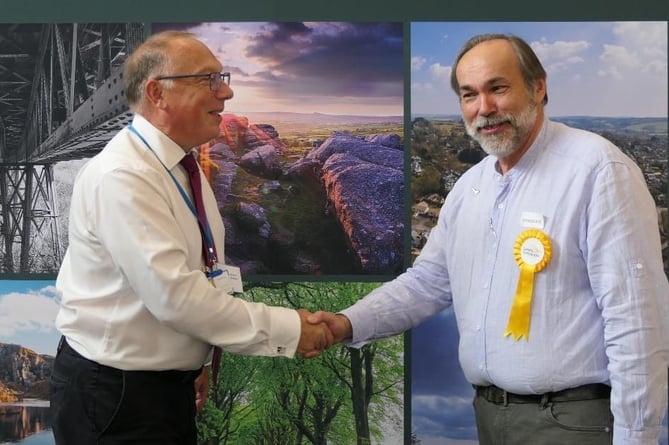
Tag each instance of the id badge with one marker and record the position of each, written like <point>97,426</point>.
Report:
<point>228,278</point>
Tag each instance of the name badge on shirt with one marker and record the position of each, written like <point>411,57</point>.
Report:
<point>532,220</point>
<point>230,279</point>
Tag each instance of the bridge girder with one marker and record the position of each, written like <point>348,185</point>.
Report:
<point>58,82</point>
<point>61,98</point>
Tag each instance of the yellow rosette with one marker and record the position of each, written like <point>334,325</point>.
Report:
<point>532,251</point>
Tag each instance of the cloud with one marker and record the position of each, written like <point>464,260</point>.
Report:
<point>417,63</point>
<point>657,68</point>
<point>328,67</point>
<point>558,50</point>
<point>319,64</point>
<point>648,37</point>
<point>440,72</point>
<point>34,311</point>
<point>560,55</point>
<point>620,56</point>
<point>443,416</point>
<point>611,72</point>
<point>639,47</point>
<point>421,87</point>
<point>629,58</point>
<point>331,53</point>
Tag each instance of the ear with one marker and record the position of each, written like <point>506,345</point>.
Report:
<point>153,91</point>
<point>539,90</point>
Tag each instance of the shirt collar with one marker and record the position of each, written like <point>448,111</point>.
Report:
<point>168,151</point>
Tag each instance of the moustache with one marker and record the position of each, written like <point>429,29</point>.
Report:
<point>482,121</point>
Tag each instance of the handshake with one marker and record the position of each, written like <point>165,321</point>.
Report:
<point>320,330</point>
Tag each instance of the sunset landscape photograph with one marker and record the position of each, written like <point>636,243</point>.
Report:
<point>310,146</point>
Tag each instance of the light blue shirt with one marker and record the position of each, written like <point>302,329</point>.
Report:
<point>600,307</point>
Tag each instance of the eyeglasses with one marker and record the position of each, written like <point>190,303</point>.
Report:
<point>215,79</point>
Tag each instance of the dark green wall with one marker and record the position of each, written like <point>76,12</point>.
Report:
<point>363,10</point>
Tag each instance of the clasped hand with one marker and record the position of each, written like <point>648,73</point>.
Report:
<point>321,330</point>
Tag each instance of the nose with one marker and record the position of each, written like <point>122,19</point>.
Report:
<point>487,105</point>
<point>225,92</point>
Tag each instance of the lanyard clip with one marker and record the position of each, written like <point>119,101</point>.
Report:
<point>213,273</point>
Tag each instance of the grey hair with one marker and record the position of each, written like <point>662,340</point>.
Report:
<point>152,58</point>
<point>530,66</point>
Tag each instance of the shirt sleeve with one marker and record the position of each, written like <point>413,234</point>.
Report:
<point>138,224</point>
<point>627,277</point>
<point>401,304</point>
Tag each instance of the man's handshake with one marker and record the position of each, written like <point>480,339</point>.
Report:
<point>320,330</point>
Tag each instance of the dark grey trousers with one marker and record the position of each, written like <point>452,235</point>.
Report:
<point>582,422</point>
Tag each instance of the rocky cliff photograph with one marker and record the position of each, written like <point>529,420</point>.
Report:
<point>308,168</point>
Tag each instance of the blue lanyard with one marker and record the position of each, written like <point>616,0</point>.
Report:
<point>204,225</point>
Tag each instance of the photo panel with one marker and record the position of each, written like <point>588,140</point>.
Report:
<point>62,99</point>
<point>308,168</point>
<point>309,175</point>
<point>28,341</point>
<point>346,395</point>
<point>354,395</point>
<point>606,77</point>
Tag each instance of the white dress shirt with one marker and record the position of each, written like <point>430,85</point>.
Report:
<point>600,307</point>
<point>133,292</point>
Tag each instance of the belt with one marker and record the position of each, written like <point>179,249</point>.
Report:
<point>166,375</point>
<point>498,396</point>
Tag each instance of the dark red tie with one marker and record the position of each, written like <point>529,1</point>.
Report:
<point>189,163</point>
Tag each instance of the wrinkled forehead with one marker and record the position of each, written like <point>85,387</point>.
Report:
<point>488,60</point>
<point>191,55</point>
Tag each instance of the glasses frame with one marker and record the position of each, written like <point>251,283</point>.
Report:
<point>215,79</point>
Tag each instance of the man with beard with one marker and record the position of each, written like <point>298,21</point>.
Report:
<point>549,252</point>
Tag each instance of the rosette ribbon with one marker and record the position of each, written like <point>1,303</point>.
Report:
<point>532,251</point>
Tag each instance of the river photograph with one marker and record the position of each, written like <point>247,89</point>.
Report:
<point>26,422</point>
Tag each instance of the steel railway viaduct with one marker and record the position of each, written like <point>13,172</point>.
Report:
<point>61,98</point>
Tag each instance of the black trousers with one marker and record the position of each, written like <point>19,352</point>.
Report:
<point>93,404</point>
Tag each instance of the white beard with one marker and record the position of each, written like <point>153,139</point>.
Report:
<point>505,143</point>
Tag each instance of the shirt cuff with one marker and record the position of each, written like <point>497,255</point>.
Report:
<point>210,357</point>
<point>625,436</point>
<point>361,332</point>
<point>285,332</point>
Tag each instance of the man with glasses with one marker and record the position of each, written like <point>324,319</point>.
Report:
<point>139,314</point>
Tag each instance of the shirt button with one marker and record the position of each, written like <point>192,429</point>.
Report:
<point>639,266</point>
<point>485,286</point>
<point>500,206</point>
<point>478,327</point>
<point>280,349</point>
<point>481,367</point>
